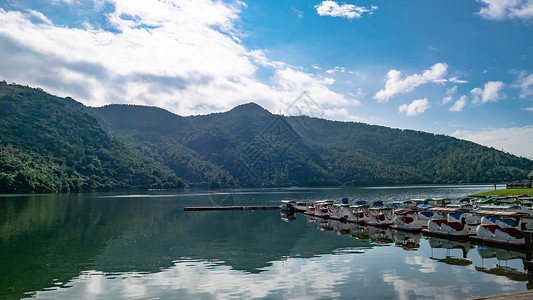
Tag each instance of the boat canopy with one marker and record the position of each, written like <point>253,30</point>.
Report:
<point>404,211</point>
<point>288,201</point>
<point>360,202</point>
<point>344,201</point>
<point>424,206</point>
<point>360,206</point>
<point>500,213</point>
<point>381,208</point>
<point>377,203</point>
<point>419,201</point>
<point>508,201</point>
<point>459,205</point>
<point>439,201</point>
<point>499,207</point>
<point>325,202</point>
<point>449,209</point>
<point>484,201</point>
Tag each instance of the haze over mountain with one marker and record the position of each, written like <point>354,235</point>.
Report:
<point>51,144</point>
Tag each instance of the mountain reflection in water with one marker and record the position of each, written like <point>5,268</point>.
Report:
<point>145,246</point>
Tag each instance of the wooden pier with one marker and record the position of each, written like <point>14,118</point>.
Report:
<point>207,208</point>
<point>528,235</point>
<point>525,295</point>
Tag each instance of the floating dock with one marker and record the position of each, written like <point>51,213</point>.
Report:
<point>206,208</point>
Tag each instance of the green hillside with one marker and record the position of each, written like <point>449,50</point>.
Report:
<point>50,144</point>
<point>257,148</point>
<point>53,144</point>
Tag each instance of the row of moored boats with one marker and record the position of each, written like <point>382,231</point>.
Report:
<point>496,220</point>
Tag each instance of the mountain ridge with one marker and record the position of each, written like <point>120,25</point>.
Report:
<point>133,146</point>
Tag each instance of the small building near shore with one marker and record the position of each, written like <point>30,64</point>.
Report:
<point>522,184</point>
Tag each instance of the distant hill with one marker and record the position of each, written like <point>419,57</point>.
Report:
<point>52,144</point>
<point>249,146</point>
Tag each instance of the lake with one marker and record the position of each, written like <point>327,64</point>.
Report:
<point>144,246</point>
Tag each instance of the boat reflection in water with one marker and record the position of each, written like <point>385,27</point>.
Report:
<point>450,256</point>
<point>502,268</point>
<point>407,240</point>
<point>456,252</point>
<point>374,234</point>
<point>287,216</point>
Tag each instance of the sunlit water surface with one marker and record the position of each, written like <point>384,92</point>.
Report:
<point>144,246</point>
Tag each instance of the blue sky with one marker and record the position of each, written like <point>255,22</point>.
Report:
<point>457,67</point>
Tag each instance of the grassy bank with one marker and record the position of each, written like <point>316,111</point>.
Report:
<point>506,192</point>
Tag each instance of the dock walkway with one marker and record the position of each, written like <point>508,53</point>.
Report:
<point>507,296</point>
<point>204,208</point>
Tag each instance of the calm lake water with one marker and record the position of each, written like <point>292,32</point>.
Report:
<point>144,246</point>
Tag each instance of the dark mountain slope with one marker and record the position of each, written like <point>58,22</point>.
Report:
<point>239,147</point>
<point>261,149</point>
<point>52,144</point>
<point>356,151</point>
<point>49,144</point>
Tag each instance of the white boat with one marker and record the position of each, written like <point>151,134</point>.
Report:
<point>425,214</point>
<point>323,208</point>
<point>527,217</point>
<point>406,219</point>
<point>414,203</point>
<point>501,232</point>
<point>288,206</point>
<point>459,222</point>
<point>301,206</point>
<point>439,202</point>
<point>380,216</point>
<point>341,211</point>
<point>309,209</point>
<point>399,204</point>
<point>359,213</point>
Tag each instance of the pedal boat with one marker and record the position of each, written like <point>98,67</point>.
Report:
<point>406,219</point>
<point>500,227</point>
<point>323,209</point>
<point>380,216</point>
<point>459,222</point>
<point>359,214</point>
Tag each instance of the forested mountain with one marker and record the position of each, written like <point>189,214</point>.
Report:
<point>251,147</point>
<point>50,144</point>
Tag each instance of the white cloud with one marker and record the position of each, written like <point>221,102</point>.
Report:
<point>456,80</point>
<point>527,109</point>
<point>395,84</point>
<point>449,95</point>
<point>299,13</point>
<point>335,70</point>
<point>260,57</point>
<point>525,83</point>
<point>415,108</point>
<point>186,58</point>
<point>289,80</point>
<point>490,93</point>
<point>516,140</point>
<point>348,11</point>
<point>506,9</point>
<point>459,104</point>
